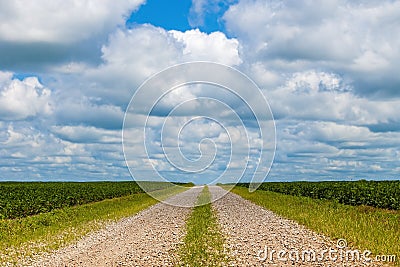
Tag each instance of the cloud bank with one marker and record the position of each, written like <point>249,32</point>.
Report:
<point>328,70</point>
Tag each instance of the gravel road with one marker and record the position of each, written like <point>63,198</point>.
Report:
<point>252,233</point>
<point>147,239</point>
<point>151,237</point>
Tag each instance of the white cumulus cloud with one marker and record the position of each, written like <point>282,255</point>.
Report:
<point>22,99</point>
<point>212,47</point>
<point>61,21</point>
<point>342,36</point>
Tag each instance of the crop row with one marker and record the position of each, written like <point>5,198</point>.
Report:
<point>29,198</point>
<point>380,194</point>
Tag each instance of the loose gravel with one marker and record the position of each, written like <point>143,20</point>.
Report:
<point>251,233</point>
<point>150,238</point>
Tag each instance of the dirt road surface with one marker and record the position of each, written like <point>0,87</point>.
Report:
<point>146,239</point>
<point>258,237</point>
<point>151,238</point>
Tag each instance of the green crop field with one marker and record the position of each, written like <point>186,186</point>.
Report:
<point>380,194</point>
<point>23,199</point>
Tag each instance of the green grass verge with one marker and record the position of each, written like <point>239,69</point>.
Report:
<point>203,243</point>
<point>23,237</point>
<point>363,227</point>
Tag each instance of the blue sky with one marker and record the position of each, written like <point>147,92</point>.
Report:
<point>182,15</point>
<point>328,70</point>
<point>170,15</point>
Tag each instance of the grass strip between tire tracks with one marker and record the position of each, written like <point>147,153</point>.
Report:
<point>203,244</point>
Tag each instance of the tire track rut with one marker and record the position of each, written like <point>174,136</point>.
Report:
<point>148,238</point>
<point>252,232</point>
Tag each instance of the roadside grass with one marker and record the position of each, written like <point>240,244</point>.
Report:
<point>363,227</point>
<point>24,237</point>
<point>203,244</point>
